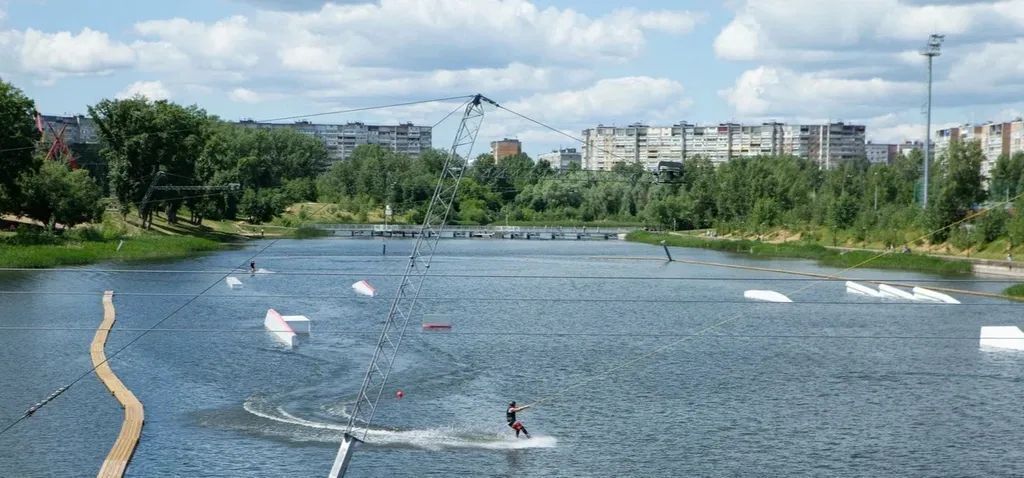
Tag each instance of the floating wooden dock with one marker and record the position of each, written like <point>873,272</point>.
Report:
<point>131,429</point>
<point>479,232</point>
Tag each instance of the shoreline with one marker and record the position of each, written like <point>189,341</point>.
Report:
<point>132,249</point>
<point>822,254</point>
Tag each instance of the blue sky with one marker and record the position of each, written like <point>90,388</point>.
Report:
<point>572,64</point>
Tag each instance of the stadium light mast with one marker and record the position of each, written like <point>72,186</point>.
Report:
<point>931,51</point>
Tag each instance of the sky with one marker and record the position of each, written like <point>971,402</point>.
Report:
<point>571,64</point>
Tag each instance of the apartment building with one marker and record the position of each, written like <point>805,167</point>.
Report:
<point>996,139</point>
<point>505,148</point>
<point>604,146</point>
<point>878,153</point>
<point>342,139</point>
<point>560,159</point>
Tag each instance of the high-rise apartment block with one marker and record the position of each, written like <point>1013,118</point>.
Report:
<point>829,144</point>
<point>996,139</point>
<point>505,148</point>
<point>560,159</point>
<point>878,153</point>
<point>341,139</point>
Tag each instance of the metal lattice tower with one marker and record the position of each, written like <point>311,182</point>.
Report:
<point>402,306</point>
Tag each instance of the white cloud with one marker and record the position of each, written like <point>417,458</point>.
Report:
<point>780,92</point>
<point>225,44</point>
<point>153,90</point>
<point>245,95</point>
<point>992,64</point>
<point>773,29</point>
<point>630,98</point>
<point>414,35</point>
<point>895,128</point>
<point>363,82</point>
<point>63,53</point>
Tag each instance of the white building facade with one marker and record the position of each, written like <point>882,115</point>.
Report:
<point>996,139</point>
<point>342,139</point>
<point>878,153</point>
<point>560,159</point>
<point>605,146</point>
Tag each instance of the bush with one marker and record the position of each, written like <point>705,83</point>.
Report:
<point>962,238</point>
<point>1016,290</point>
<point>88,233</point>
<point>26,235</point>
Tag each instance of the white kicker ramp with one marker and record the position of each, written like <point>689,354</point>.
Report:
<point>233,282</point>
<point>364,288</point>
<point>766,295</point>
<point>1004,337</point>
<point>920,293</point>
<point>894,293</point>
<point>279,328</point>
<point>298,323</point>
<point>861,289</point>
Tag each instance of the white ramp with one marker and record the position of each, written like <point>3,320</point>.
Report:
<point>861,289</point>
<point>891,292</point>
<point>766,295</point>
<point>1003,337</point>
<point>280,329</point>
<point>920,293</point>
<point>298,323</point>
<point>364,288</point>
<point>233,282</point>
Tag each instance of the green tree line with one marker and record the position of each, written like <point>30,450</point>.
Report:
<point>147,143</point>
<point>273,168</point>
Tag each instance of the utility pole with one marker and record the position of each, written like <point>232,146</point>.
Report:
<point>931,51</point>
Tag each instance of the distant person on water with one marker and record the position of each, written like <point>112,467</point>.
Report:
<point>252,267</point>
<point>510,417</point>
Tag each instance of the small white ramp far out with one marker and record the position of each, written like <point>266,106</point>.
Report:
<point>920,293</point>
<point>233,282</point>
<point>1003,337</point>
<point>766,295</point>
<point>364,288</point>
<point>861,289</point>
<point>891,292</point>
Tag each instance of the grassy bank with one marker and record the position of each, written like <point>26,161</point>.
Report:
<point>1016,290</point>
<point>801,250</point>
<point>77,252</point>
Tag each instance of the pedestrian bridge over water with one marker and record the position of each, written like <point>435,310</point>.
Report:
<point>486,232</point>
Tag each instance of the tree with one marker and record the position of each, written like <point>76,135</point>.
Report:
<point>1015,225</point>
<point>141,138</point>
<point>960,187</point>
<point>1007,175</point>
<point>56,194</point>
<point>18,136</point>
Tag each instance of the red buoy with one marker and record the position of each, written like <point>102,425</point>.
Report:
<point>399,394</point>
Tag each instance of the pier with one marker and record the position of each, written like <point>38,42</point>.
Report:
<point>544,233</point>
<point>131,428</point>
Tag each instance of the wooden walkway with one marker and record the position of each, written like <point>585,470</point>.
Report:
<point>117,460</point>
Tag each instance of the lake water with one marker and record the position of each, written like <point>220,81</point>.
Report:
<point>626,391</point>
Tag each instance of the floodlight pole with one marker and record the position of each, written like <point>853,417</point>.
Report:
<point>931,51</point>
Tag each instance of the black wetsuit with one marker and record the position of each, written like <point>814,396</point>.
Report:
<point>510,416</point>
